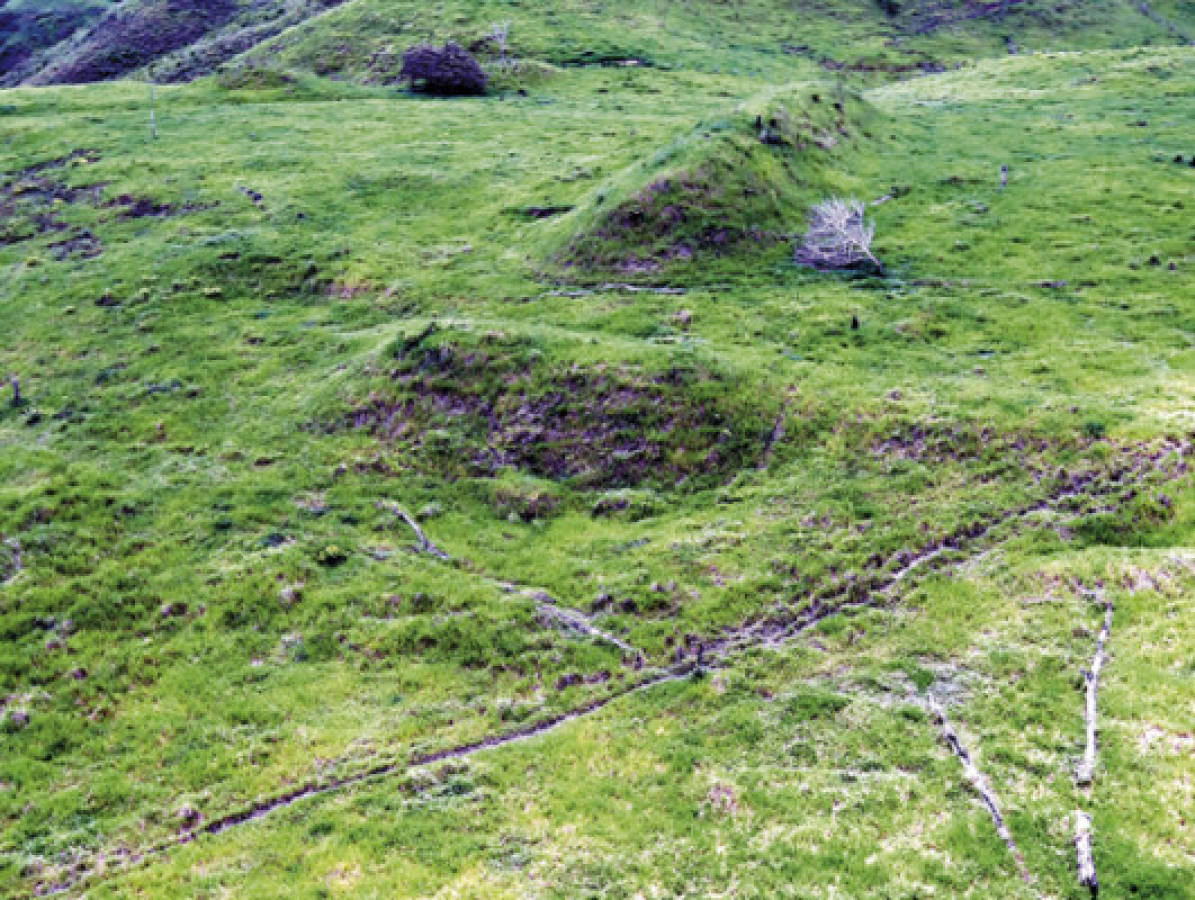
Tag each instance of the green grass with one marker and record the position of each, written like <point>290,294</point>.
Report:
<point>199,518</point>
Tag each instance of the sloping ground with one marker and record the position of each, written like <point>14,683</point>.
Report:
<point>248,648</point>
<point>257,23</point>
<point>172,40</point>
<point>130,37</point>
<point>363,39</point>
<point>177,40</point>
<point>736,184</point>
<point>28,27</point>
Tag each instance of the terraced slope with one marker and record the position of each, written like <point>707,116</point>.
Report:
<point>369,526</point>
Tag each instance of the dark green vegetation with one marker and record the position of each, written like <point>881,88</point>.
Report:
<point>561,330</point>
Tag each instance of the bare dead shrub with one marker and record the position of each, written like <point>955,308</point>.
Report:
<point>839,237</point>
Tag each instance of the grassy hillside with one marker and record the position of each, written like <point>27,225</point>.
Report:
<point>178,40</point>
<point>28,27</point>
<point>762,37</point>
<point>167,40</point>
<point>394,508</point>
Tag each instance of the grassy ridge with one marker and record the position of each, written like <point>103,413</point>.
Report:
<point>759,37</point>
<point>28,28</point>
<point>734,185</point>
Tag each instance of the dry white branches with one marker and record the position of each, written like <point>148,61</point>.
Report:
<point>1085,771</point>
<point>1087,876</point>
<point>980,785</point>
<point>839,236</point>
<point>424,544</point>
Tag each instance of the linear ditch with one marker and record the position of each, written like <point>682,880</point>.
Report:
<point>874,593</point>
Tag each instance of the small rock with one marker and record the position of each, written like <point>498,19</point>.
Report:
<point>567,681</point>
<point>603,601</point>
<point>189,816</point>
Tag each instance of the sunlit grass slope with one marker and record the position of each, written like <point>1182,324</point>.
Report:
<point>241,342</point>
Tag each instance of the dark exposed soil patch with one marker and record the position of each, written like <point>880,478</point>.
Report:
<point>476,410</point>
<point>83,154</point>
<point>82,243</point>
<point>939,443</point>
<point>542,212</point>
<point>135,207</point>
<point>33,200</point>
<point>928,17</point>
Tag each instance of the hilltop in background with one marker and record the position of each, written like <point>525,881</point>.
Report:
<point>474,497</point>
<point>81,41</point>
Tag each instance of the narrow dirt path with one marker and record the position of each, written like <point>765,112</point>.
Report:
<point>123,862</point>
<point>877,589</point>
<point>549,607</point>
<point>1158,19</point>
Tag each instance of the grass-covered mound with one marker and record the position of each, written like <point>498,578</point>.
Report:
<point>460,404</point>
<point>132,35</point>
<point>742,182</point>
